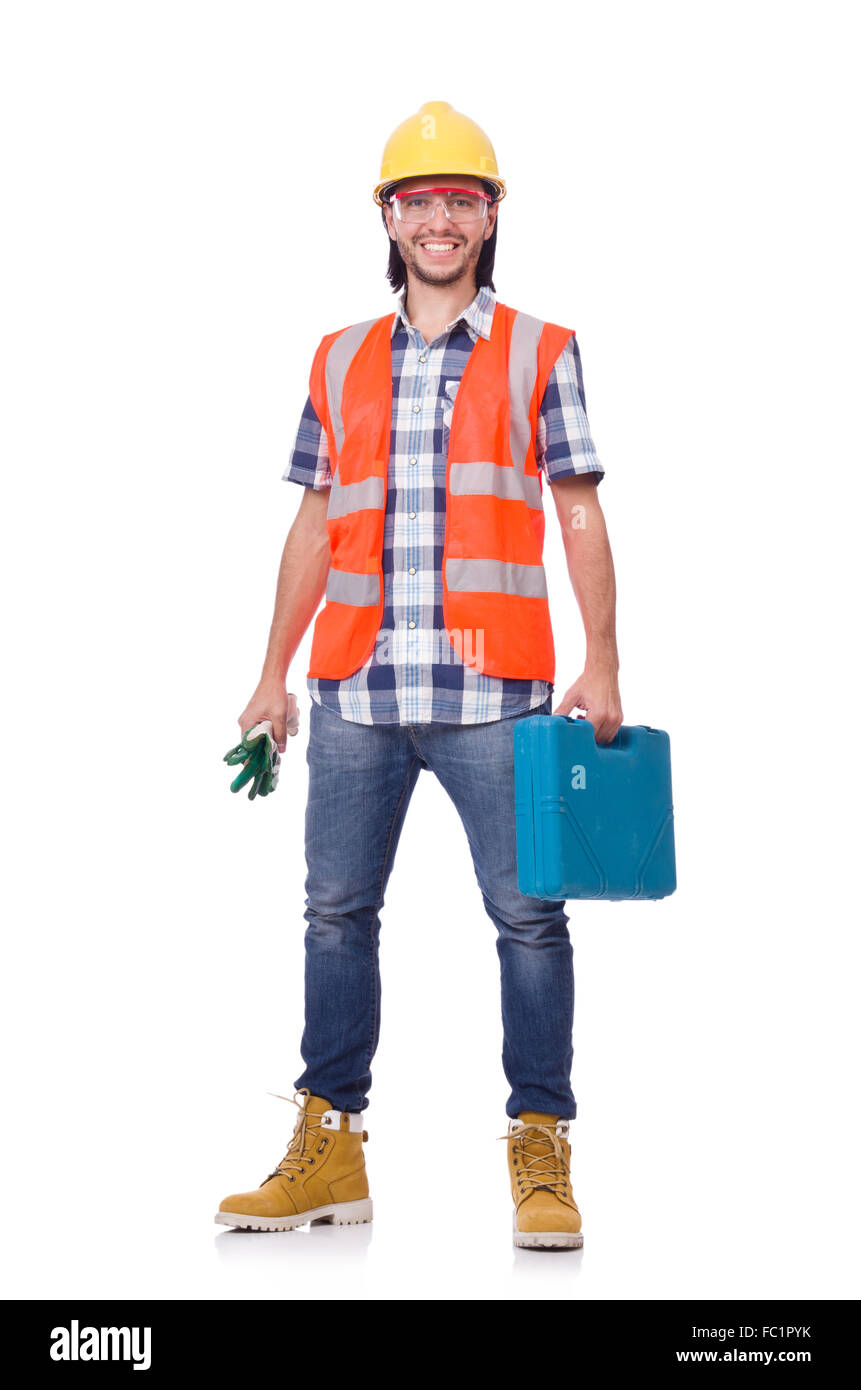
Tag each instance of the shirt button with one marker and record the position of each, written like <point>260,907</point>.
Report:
<point>411,623</point>
<point>423,357</point>
<point>412,569</point>
<point>412,516</point>
<point>413,460</point>
<point>416,409</point>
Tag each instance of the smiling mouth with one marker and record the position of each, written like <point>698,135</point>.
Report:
<point>439,248</point>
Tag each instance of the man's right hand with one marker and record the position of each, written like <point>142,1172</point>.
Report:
<point>271,701</point>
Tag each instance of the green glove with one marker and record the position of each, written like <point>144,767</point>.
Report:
<point>258,752</point>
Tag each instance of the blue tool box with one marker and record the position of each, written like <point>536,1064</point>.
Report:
<point>593,820</point>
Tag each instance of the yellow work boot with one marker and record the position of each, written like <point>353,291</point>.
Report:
<point>321,1177</point>
<point>539,1163</point>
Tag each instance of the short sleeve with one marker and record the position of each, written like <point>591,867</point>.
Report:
<point>563,439</point>
<point>309,461</point>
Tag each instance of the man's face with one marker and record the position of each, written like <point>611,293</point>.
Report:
<point>438,251</point>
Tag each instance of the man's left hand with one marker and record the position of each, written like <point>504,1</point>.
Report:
<point>597,694</point>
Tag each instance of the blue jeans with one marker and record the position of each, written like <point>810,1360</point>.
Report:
<point>361,778</point>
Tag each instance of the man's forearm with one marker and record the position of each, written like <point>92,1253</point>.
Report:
<point>593,578</point>
<point>301,584</point>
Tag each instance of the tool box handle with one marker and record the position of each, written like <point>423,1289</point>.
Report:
<point>622,743</point>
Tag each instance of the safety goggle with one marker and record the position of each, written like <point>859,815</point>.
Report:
<point>459,204</point>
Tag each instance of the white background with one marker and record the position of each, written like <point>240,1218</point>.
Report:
<point>187,192</point>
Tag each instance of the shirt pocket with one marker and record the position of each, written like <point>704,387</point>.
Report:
<point>448,398</point>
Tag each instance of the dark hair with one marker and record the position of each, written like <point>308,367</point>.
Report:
<point>397,271</point>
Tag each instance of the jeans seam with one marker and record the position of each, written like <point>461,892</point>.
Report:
<point>386,857</point>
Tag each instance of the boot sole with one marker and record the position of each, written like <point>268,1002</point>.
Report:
<point>335,1214</point>
<point>547,1240</point>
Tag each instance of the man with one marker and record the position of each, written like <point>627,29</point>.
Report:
<point>420,450</point>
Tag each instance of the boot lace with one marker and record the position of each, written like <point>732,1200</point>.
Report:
<point>541,1162</point>
<point>308,1130</point>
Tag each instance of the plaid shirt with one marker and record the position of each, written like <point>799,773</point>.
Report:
<point>416,677</point>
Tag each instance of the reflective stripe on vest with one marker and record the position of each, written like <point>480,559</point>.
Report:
<point>343,350</point>
<point>495,602</point>
<point>489,477</point>
<point>497,577</point>
<point>360,589</point>
<point>522,372</point>
<point>355,497</point>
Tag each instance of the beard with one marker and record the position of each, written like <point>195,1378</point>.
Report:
<point>441,275</point>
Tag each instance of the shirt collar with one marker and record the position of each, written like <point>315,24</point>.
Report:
<point>478,316</point>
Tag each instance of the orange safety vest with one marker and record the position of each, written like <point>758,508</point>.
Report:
<point>495,604</point>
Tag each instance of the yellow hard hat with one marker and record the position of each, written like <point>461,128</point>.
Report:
<point>438,140</point>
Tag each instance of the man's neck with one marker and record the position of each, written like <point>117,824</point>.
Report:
<point>430,307</point>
